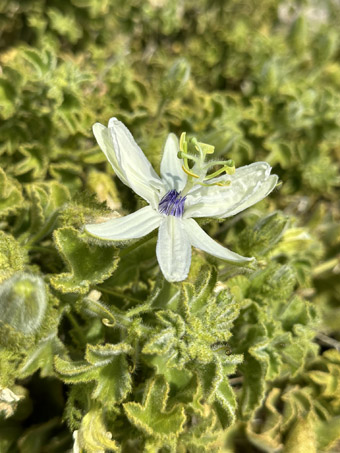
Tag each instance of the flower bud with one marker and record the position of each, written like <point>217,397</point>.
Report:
<point>175,79</point>
<point>23,302</point>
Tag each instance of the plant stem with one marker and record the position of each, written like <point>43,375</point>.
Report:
<point>326,266</point>
<point>118,294</point>
<point>325,339</point>
<point>76,326</point>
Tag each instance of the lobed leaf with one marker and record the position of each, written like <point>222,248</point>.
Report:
<point>88,263</point>
<point>151,416</point>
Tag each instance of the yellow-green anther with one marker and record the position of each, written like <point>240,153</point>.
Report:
<point>229,170</point>
<point>223,183</point>
<point>207,149</point>
<point>183,144</point>
<point>188,151</point>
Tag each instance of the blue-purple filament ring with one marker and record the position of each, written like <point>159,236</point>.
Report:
<point>172,204</point>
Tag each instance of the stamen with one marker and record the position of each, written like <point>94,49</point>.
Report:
<point>172,204</point>
<point>198,170</point>
<point>189,172</point>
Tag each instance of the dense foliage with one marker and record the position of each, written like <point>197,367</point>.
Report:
<point>98,352</point>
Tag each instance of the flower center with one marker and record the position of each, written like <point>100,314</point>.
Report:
<point>172,204</point>
<point>194,155</point>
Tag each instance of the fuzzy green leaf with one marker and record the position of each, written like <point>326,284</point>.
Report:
<point>328,433</point>
<point>151,416</point>
<point>11,198</point>
<point>225,403</point>
<point>301,438</point>
<point>41,356</point>
<point>93,436</point>
<point>106,365</point>
<point>12,256</point>
<point>34,163</point>
<point>88,263</point>
<point>46,201</point>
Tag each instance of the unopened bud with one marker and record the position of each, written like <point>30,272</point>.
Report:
<point>23,302</point>
<point>175,79</point>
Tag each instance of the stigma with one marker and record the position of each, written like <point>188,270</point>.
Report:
<point>172,204</point>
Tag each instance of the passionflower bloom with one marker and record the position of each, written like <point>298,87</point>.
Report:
<point>189,187</point>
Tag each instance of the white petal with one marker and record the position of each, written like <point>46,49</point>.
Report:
<point>173,249</point>
<point>257,196</point>
<point>171,166</point>
<point>104,140</point>
<point>248,186</point>
<point>132,226</point>
<point>201,240</point>
<point>134,165</point>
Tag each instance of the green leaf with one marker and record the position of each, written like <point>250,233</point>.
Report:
<point>89,264</point>
<point>12,256</point>
<point>92,435</point>
<point>328,433</point>
<point>104,187</point>
<point>42,61</point>
<point>35,161</point>
<point>46,201</point>
<point>40,356</point>
<point>202,436</point>
<point>68,174</point>
<point>64,24</point>
<point>267,435</point>
<point>254,372</point>
<point>106,365</point>
<point>209,375</point>
<point>11,198</point>
<point>225,403</point>
<point>10,431</point>
<point>151,416</point>
<point>36,437</point>
<point>301,438</point>
<point>8,95</point>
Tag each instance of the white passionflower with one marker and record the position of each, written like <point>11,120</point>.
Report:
<point>182,192</point>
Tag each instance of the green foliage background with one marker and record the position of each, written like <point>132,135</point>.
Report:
<point>93,341</point>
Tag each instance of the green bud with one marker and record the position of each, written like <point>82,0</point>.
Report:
<point>259,239</point>
<point>175,79</point>
<point>298,35</point>
<point>23,302</point>
<point>325,46</point>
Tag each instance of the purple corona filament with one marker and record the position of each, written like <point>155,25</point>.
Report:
<point>172,204</point>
